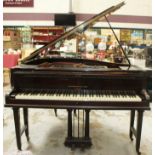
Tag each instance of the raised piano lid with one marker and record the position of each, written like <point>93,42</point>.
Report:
<point>51,52</point>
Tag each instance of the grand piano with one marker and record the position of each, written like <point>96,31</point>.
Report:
<point>55,79</point>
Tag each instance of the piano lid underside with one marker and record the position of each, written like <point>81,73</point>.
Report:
<point>77,46</point>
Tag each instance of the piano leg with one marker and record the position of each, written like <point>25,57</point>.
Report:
<point>16,114</point>
<point>68,141</point>
<point>87,124</point>
<point>75,113</point>
<point>136,132</point>
<point>55,111</point>
<point>132,117</point>
<point>139,129</point>
<point>69,123</point>
<point>26,123</point>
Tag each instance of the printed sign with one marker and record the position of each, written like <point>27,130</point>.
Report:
<point>125,35</point>
<point>17,3</point>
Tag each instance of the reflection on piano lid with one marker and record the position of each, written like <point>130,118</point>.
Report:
<point>52,52</point>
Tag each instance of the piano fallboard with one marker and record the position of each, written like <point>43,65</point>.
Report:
<point>106,79</point>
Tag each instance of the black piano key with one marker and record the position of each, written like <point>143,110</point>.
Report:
<point>91,92</point>
<point>98,93</point>
<point>52,91</point>
<point>87,92</point>
<point>68,93</point>
<point>103,92</point>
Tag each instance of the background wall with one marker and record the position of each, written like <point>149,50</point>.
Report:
<point>137,12</point>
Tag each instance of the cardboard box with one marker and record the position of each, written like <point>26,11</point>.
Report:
<point>12,44</point>
<point>13,35</point>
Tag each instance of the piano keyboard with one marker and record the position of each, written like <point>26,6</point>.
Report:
<point>82,95</point>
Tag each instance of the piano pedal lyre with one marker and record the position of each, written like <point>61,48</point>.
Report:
<point>78,134</point>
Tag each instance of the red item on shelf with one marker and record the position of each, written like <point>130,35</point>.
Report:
<point>10,60</point>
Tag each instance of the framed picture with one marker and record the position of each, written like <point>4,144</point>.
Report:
<point>18,3</point>
<point>125,35</point>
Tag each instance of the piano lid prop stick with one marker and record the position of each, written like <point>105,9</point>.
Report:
<point>118,41</point>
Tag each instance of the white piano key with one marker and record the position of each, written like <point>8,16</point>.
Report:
<point>79,97</point>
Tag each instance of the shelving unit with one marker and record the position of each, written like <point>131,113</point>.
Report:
<point>11,38</point>
<point>42,35</point>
